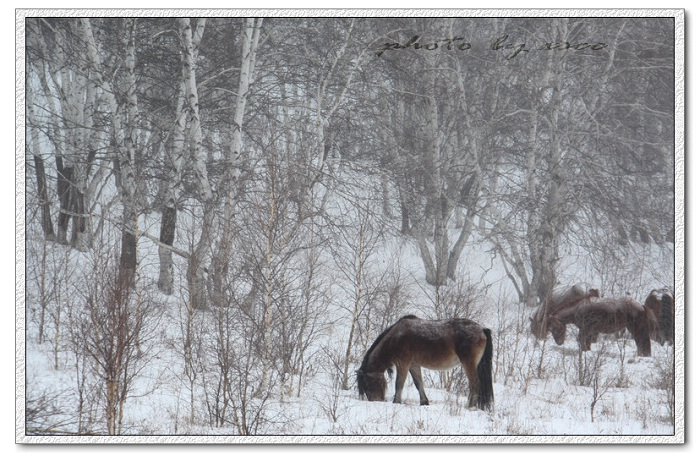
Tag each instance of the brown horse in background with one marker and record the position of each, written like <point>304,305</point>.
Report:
<point>559,299</point>
<point>609,315</point>
<point>412,343</point>
<point>661,312</point>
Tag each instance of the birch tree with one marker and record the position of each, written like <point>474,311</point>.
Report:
<point>176,158</point>
<point>200,254</point>
<point>68,101</point>
<point>124,133</point>
<point>250,37</point>
<point>34,147</point>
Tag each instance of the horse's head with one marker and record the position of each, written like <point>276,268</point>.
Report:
<point>558,329</point>
<point>371,385</point>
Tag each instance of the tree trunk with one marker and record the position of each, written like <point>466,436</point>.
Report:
<point>64,177</point>
<point>127,162</point>
<point>545,234</point>
<point>173,182</point>
<point>34,146</point>
<point>220,262</point>
<point>198,262</point>
<point>168,221</point>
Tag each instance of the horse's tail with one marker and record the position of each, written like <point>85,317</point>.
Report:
<point>360,379</point>
<point>667,318</point>
<point>652,321</point>
<point>483,370</point>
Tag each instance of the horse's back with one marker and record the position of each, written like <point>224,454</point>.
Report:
<point>420,326</point>
<point>464,324</point>
<point>633,307</point>
<point>436,344</point>
<point>606,315</point>
<point>613,306</point>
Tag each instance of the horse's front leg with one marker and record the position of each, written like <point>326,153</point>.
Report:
<point>401,374</point>
<point>417,376</point>
<point>584,340</point>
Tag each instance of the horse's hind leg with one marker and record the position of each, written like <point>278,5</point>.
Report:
<point>417,376</point>
<point>469,364</point>
<point>401,374</point>
<point>640,333</point>
<point>470,369</point>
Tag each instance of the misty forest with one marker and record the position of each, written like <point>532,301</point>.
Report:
<point>223,214</point>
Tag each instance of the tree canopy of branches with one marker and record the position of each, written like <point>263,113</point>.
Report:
<point>525,133</point>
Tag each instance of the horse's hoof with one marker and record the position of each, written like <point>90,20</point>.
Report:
<point>424,402</point>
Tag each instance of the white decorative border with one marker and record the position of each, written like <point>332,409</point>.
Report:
<point>680,345</point>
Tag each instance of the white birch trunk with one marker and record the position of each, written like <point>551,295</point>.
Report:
<point>196,271</point>
<point>71,137</point>
<point>54,130</point>
<point>175,160</point>
<point>34,147</point>
<point>250,38</point>
<point>124,133</point>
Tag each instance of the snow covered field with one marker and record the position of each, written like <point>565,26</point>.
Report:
<point>543,392</point>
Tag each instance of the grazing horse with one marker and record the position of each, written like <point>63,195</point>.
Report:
<point>661,311</point>
<point>609,316</point>
<point>561,298</point>
<point>412,343</point>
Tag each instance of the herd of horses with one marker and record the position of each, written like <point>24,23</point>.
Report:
<point>594,315</point>
<point>413,343</point>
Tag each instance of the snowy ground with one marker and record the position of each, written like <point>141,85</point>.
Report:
<point>545,407</point>
<point>543,393</point>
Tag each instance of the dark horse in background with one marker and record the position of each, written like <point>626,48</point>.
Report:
<point>561,298</point>
<point>609,315</point>
<point>412,343</point>
<point>661,311</point>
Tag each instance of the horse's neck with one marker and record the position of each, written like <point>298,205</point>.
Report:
<point>379,359</point>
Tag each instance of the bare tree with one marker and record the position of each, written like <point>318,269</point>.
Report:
<point>199,257</point>
<point>441,144</point>
<point>234,158</point>
<point>116,326</point>
<point>176,158</point>
<point>572,184</point>
<point>64,111</point>
<point>358,234</point>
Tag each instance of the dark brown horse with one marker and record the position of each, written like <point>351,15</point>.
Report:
<point>561,298</point>
<point>609,315</point>
<point>412,343</point>
<point>661,311</point>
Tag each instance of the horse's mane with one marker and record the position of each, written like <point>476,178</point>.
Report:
<point>379,338</point>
